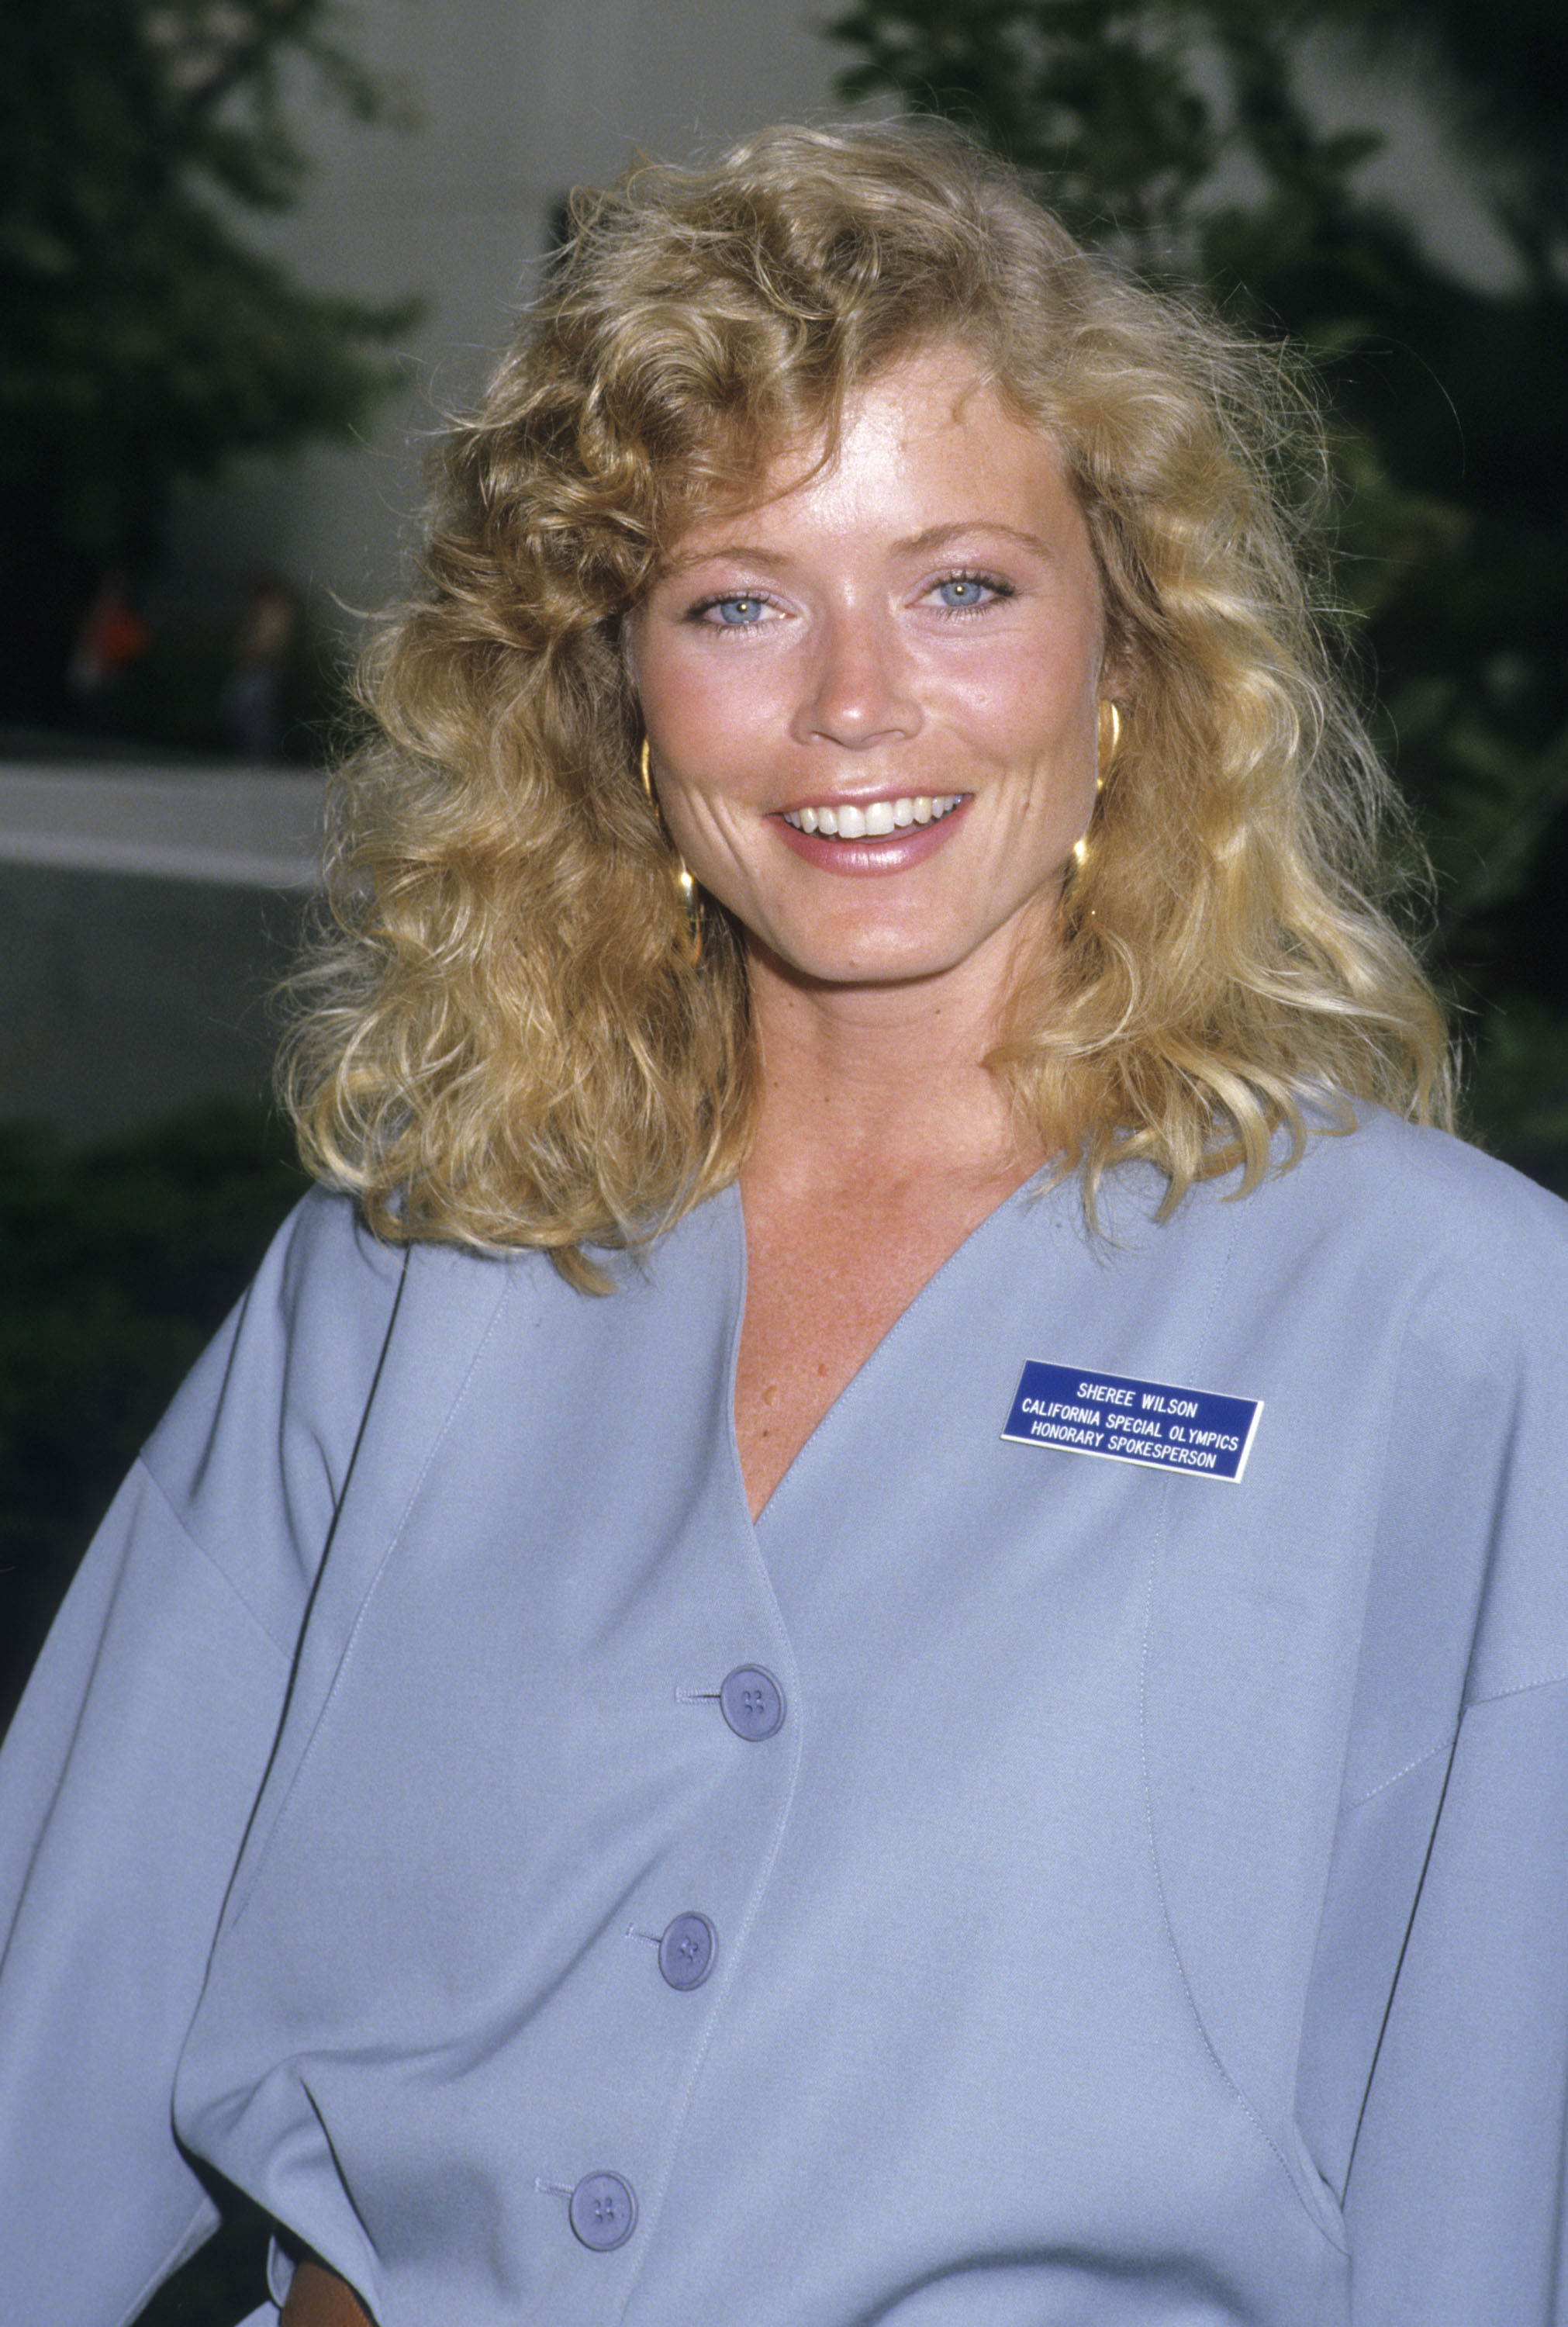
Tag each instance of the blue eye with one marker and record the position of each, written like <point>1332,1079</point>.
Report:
<point>737,612</point>
<point>963,591</point>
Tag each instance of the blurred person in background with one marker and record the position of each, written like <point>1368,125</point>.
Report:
<point>113,638</point>
<point>253,693</point>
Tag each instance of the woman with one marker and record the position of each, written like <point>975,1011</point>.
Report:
<point>956,1715</point>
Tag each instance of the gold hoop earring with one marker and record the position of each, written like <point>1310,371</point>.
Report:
<point>685,888</point>
<point>1110,737</point>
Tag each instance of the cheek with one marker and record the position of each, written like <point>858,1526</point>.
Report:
<point>698,706</point>
<point>1036,705</point>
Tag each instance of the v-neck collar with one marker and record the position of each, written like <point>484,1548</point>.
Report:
<point>1037,1188</point>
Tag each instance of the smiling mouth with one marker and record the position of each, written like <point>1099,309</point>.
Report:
<point>876,818</point>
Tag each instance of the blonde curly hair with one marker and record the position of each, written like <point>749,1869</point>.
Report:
<point>499,1038</point>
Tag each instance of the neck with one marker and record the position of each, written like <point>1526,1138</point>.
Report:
<point>881,1086</point>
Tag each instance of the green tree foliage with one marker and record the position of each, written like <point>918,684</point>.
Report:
<point>144,341</point>
<point>1176,133</point>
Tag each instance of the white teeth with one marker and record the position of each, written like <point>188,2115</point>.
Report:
<point>876,818</point>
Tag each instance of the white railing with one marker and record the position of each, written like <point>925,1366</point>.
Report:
<point>242,827</point>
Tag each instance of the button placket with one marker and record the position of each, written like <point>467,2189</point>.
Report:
<point>602,2206</point>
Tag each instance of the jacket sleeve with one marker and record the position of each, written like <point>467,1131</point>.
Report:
<point>1456,2197</point>
<point>134,1763</point>
<point>1456,2192</point>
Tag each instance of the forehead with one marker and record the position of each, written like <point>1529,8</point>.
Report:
<point>929,434</point>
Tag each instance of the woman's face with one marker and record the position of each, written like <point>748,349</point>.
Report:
<point>871,699</point>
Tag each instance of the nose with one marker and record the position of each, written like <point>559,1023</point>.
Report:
<point>860,690</point>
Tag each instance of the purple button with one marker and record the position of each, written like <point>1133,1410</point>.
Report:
<point>685,1952</point>
<point>604,2211</point>
<point>753,1703</point>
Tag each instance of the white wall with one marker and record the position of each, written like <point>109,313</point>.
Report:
<point>515,101</point>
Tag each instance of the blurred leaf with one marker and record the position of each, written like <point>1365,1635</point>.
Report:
<point>146,341</point>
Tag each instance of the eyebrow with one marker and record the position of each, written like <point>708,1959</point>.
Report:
<point>741,552</point>
<point>915,544</point>
<point>937,537</point>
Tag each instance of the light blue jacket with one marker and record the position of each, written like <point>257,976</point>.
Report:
<point>1151,1905</point>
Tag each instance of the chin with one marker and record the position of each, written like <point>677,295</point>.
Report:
<point>892,963</point>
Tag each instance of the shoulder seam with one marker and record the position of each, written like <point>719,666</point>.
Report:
<point>1416,1761</point>
<point>1472,1704</point>
<point>284,1650</point>
<point>1517,1688</point>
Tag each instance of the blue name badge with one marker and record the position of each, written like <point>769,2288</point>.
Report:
<point>1197,1432</point>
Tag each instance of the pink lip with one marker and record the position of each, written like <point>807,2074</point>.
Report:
<point>860,858</point>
